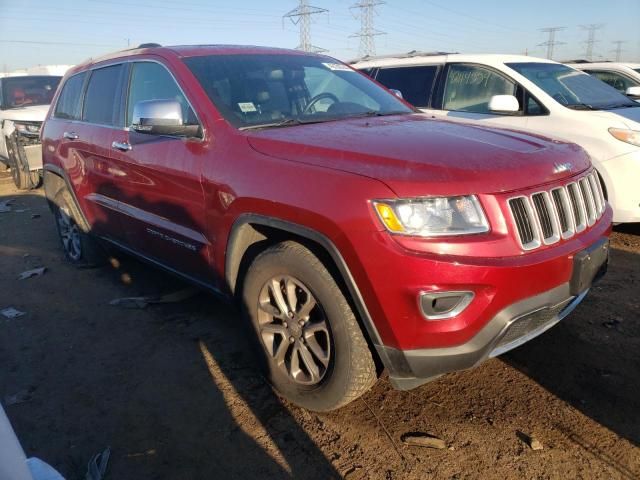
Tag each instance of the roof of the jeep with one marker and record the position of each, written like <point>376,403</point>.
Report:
<point>418,58</point>
<point>188,51</point>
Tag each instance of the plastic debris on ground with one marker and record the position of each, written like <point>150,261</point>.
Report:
<point>98,465</point>
<point>419,439</point>
<point>36,272</point>
<point>11,312</point>
<point>5,205</point>
<point>142,302</point>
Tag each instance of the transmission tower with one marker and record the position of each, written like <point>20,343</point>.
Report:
<point>367,32</point>
<point>618,49</point>
<point>551,41</point>
<point>302,16</point>
<point>591,38</point>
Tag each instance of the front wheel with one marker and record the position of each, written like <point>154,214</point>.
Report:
<point>23,178</point>
<point>316,353</point>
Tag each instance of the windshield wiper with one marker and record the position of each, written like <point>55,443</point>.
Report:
<point>581,106</point>
<point>621,105</point>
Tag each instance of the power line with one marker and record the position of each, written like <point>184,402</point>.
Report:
<point>367,32</point>
<point>302,16</point>
<point>551,41</point>
<point>591,38</point>
<point>618,49</point>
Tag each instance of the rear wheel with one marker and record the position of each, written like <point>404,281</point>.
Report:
<point>80,248</point>
<point>316,354</point>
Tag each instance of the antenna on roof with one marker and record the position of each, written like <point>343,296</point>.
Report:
<point>149,45</point>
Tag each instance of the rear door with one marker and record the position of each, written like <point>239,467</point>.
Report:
<point>86,144</point>
<point>160,194</point>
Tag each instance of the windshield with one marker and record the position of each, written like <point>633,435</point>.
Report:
<point>572,88</point>
<point>637,70</point>
<point>26,91</point>
<point>254,91</point>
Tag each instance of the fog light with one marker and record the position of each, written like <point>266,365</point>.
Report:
<point>443,305</point>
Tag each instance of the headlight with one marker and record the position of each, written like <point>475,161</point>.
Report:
<point>628,136</point>
<point>29,128</point>
<point>433,217</point>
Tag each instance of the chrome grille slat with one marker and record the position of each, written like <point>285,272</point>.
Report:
<point>547,216</point>
<point>587,194</point>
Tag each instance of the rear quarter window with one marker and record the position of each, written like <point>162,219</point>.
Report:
<point>70,100</point>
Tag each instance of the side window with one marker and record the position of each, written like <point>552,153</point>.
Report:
<point>152,81</point>
<point>415,83</point>
<point>102,100</point>
<point>69,102</point>
<point>469,88</point>
<point>617,81</point>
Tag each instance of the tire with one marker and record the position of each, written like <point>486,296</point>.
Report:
<point>23,178</point>
<point>80,247</point>
<point>328,332</point>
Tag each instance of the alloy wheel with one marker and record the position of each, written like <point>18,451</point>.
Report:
<point>69,234</point>
<point>294,330</point>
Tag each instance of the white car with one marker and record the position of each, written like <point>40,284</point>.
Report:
<point>624,77</point>
<point>529,94</point>
<point>24,102</point>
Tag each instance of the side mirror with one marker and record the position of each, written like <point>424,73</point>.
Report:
<point>161,117</point>
<point>504,104</point>
<point>397,93</point>
<point>633,92</point>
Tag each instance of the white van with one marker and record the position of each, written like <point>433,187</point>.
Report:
<point>529,94</point>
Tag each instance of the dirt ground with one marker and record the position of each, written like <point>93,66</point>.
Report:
<point>172,389</point>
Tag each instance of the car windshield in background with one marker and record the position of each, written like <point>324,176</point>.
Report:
<point>29,90</point>
<point>255,91</point>
<point>572,88</point>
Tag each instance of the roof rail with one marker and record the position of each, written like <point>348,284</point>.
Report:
<point>410,54</point>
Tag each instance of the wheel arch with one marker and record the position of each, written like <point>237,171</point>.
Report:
<point>55,179</point>
<point>251,233</point>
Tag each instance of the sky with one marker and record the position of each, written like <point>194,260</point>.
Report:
<point>42,32</point>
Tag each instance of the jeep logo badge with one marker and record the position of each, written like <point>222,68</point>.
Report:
<point>561,167</point>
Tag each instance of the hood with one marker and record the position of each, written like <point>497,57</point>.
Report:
<point>34,113</point>
<point>630,116</point>
<point>416,155</point>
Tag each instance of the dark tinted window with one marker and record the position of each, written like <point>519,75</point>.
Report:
<point>68,105</point>
<point>152,81</point>
<point>469,88</point>
<point>415,83</point>
<point>24,91</point>
<point>101,100</point>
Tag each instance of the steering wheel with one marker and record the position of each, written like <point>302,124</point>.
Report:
<point>317,98</point>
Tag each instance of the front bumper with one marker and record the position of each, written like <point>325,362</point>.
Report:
<point>510,328</point>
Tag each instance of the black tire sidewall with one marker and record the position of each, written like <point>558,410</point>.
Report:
<point>332,388</point>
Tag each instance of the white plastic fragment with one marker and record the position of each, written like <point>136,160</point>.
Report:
<point>36,272</point>
<point>11,312</point>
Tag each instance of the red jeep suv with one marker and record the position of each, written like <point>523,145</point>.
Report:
<point>356,233</point>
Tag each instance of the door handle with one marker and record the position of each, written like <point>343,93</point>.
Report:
<point>70,135</point>
<point>122,146</point>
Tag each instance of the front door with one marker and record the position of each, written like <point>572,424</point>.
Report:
<point>160,192</point>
